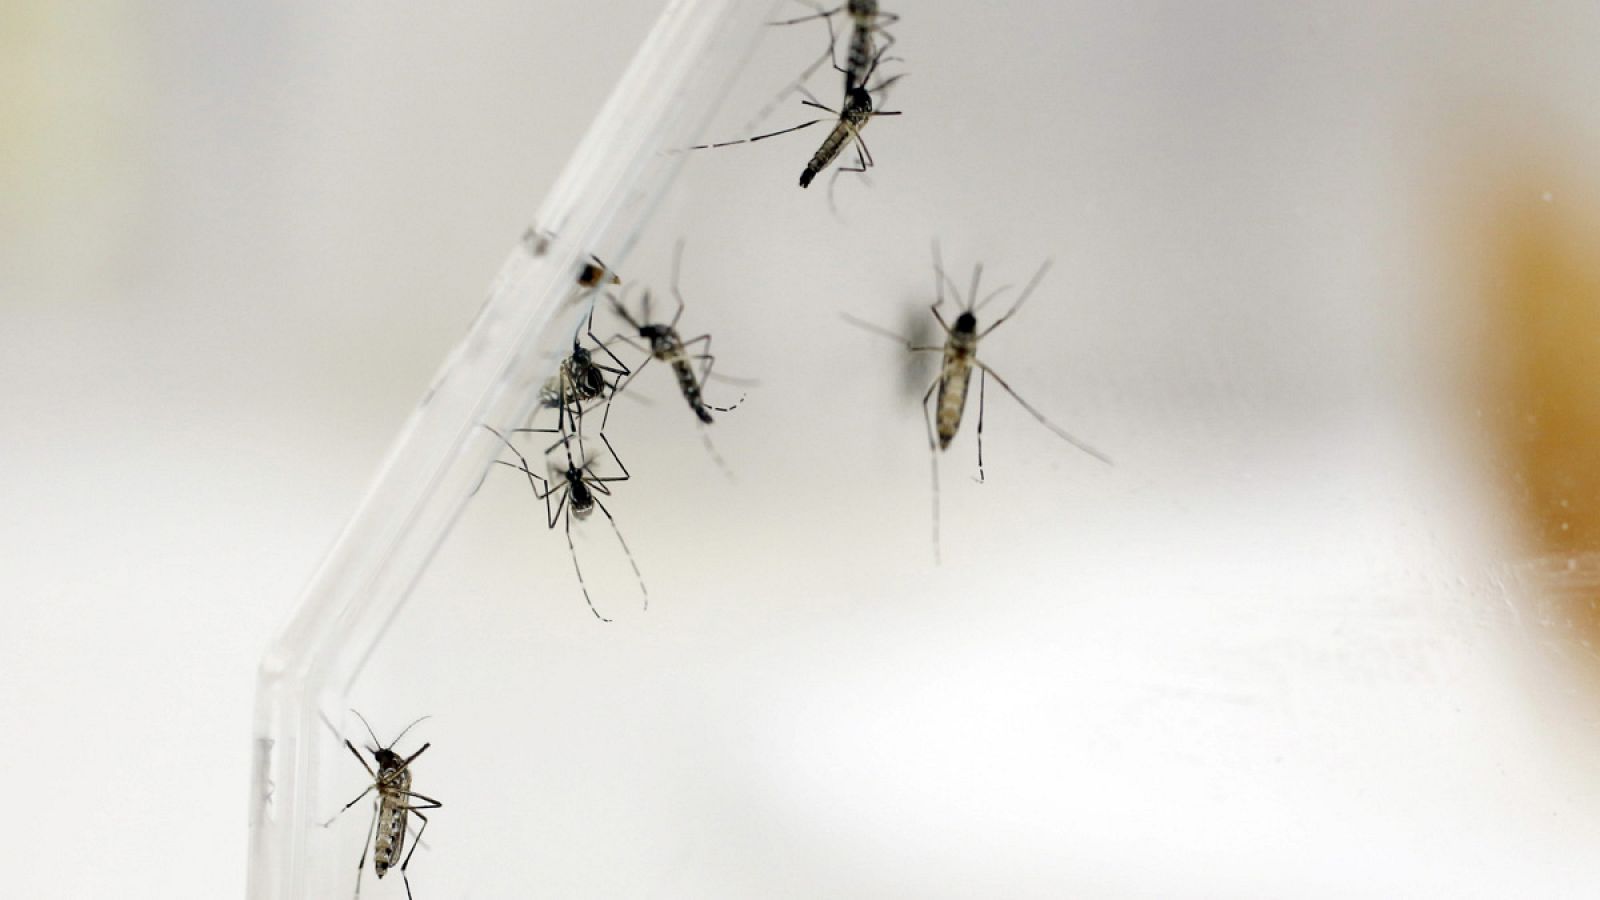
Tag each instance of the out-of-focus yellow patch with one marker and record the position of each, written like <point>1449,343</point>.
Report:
<point>1541,347</point>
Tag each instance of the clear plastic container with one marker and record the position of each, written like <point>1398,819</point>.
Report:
<point>1304,638</point>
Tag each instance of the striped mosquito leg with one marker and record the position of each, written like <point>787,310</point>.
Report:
<point>579,569</point>
<point>629,553</point>
<point>933,456</point>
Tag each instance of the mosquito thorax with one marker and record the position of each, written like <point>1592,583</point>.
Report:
<point>663,342</point>
<point>857,102</point>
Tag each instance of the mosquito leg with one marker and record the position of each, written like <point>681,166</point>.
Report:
<point>933,456</point>
<point>635,373</point>
<point>1040,416</point>
<point>983,379</point>
<point>346,807</point>
<point>622,368</point>
<point>579,569</point>
<point>1032,283</point>
<point>415,842</point>
<point>863,163</point>
<point>560,505</point>
<point>366,845</point>
<point>819,14</point>
<point>677,268</point>
<point>752,140</point>
<point>830,56</point>
<point>361,759</point>
<point>711,449</point>
<point>618,532</point>
<point>621,309</point>
<point>884,332</point>
<point>563,439</point>
<point>407,761</point>
<point>427,802</point>
<point>705,370</point>
<point>407,861</point>
<point>625,474</point>
<point>524,468</point>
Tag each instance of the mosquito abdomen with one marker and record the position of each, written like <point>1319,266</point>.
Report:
<point>690,387</point>
<point>391,837</point>
<point>952,399</point>
<point>826,154</point>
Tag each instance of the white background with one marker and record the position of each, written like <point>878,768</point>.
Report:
<point>1292,643</point>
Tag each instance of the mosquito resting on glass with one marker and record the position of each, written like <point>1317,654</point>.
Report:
<point>852,118</point>
<point>578,488</point>
<point>592,273</point>
<point>392,808</point>
<point>665,344</point>
<point>960,357</point>
<point>582,381</point>
<point>867,24</point>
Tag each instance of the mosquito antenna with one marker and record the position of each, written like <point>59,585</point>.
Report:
<point>938,274</point>
<point>375,741</point>
<point>972,293</point>
<point>406,729</point>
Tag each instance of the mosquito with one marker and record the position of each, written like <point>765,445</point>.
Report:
<point>868,23</point>
<point>583,378</point>
<point>943,415</point>
<point>394,805</point>
<point>852,118</point>
<point>665,344</point>
<point>592,273</point>
<point>579,489</point>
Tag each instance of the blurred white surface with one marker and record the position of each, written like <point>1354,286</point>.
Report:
<point>1286,646</point>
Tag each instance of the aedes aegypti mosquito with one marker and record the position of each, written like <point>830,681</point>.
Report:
<point>391,811</point>
<point>582,379</point>
<point>579,489</point>
<point>662,342</point>
<point>856,112</point>
<point>959,358</point>
<point>591,274</point>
